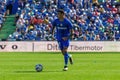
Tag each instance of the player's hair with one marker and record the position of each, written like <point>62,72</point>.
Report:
<point>61,11</point>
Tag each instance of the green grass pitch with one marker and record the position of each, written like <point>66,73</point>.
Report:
<point>87,66</point>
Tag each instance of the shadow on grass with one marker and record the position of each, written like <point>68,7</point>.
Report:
<point>25,71</point>
<point>37,72</point>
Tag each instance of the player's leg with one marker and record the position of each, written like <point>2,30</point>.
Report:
<point>70,59</point>
<point>65,46</point>
<point>65,54</point>
<point>66,57</point>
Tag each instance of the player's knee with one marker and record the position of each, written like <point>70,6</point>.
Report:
<point>64,52</point>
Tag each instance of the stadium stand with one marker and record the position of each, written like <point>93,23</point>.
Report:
<point>93,20</point>
<point>8,28</point>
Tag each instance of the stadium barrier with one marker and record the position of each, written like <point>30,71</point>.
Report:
<point>52,46</point>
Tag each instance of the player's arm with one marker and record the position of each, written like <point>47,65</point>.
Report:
<point>71,33</point>
<point>71,30</point>
<point>71,36</point>
<point>53,30</point>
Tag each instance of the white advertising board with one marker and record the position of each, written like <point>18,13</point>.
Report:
<point>52,46</point>
<point>78,46</point>
<point>16,47</point>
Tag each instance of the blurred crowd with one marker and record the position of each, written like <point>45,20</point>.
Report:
<point>5,9</point>
<point>2,12</point>
<point>93,20</point>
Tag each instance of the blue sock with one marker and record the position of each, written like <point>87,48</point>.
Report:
<point>66,56</point>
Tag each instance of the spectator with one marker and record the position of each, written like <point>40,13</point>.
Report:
<point>9,6</point>
<point>97,20</point>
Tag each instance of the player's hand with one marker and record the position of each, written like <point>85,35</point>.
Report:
<point>72,37</point>
<point>65,38</point>
<point>53,38</point>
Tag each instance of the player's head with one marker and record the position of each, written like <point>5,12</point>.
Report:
<point>61,13</point>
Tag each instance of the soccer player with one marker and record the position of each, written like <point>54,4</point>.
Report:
<point>64,32</point>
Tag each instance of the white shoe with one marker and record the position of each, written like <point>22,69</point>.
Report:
<point>65,68</point>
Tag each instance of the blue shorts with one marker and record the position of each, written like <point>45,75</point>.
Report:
<point>63,44</point>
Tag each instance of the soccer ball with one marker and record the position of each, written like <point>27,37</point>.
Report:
<point>39,67</point>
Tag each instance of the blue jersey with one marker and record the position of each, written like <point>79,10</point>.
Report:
<point>62,28</point>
